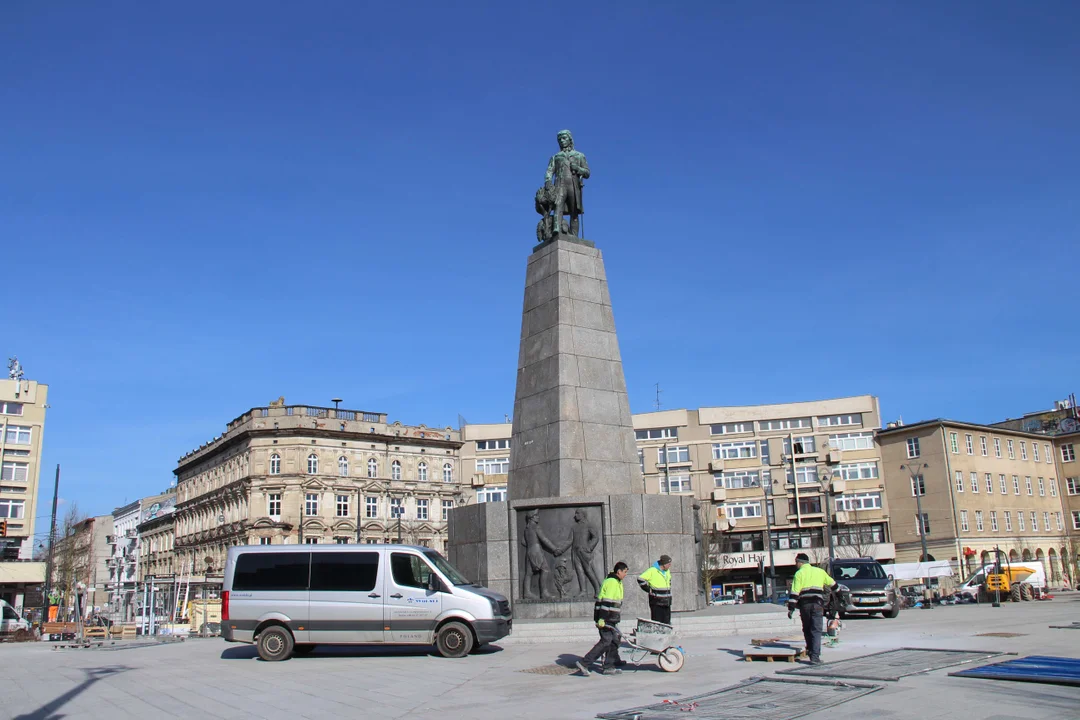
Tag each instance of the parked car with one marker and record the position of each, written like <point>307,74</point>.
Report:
<point>865,587</point>
<point>726,600</point>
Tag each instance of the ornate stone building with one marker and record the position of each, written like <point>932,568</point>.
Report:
<point>157,536</point>
<point>303,474</point>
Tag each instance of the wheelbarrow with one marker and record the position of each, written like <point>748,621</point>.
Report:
<point>653,638</point>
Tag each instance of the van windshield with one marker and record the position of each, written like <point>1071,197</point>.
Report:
<point>446,568</point>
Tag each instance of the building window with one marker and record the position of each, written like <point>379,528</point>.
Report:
<point>313,464</point>
<point>12,509</point>
<point>967,444</point>
<point>311,541</point>
<point>804,473</point>
<point>913,447</point>
<point>1049,454</point>
<point>1023,450</point>
<point>675,484</point>
<point>1042,487</point>
<point>421,472</point>
<point>14,472</point>
<point>805,506</point>
<point>859,471</point>
<point>273,505</point>
<point>1012,452</point>
<point>397,508</point>
<point>997,447</point>
<point>1027,484</point>
<point>343,466</point>
<point>838,420</point>
<point>372,468</point>
<point>669,433</point>
<point>447,506</point>
<point>737,479</point>
<point>341,540</point>
<point>1068,454</point>
<point>918,486</point>
<point>852,441</point>
<point>953,444</point>
<point>1060,525</point>
<point>18,435</point>
<point>675,454</point>
<point>1035,451</point>
<point>264,541</point>
<point>764,452</point>
<point>859,501</point>
<point>925,525</point>
<point>371,507</point>
<point>993,521</point>
<point>727,451</point>
<point>964,520</point>
<point>731,428</point>
<point>395,470</point>
<point>959,481</point>
<point>982,445</point>
<point>275,464</point>
<point>1053,487</point>
<point>1046,521</point>
<point>493,466</point>
<point>1003,485</point>
<point>421,509</point>
<point>790,424</point>
<point>1016,484</point>
<point>974,482</point>
<point>1020,520</point>
<point>1008,521</point>
<point>503,444</point>
<point>342,506</point>
<point>989,484</point>
<point>1034,521</point>
<point>1076,519</point>
<point>978,520</point>
<point>11,408</point>
<point>803,445</point>
<point>311,504</point>
<point>448,473</point>
<point>742,510</point>
<point>495,493</point>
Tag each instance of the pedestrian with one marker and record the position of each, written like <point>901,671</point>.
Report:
<point>809,595</point>
<point>606,615</point>
<point>657,582</point>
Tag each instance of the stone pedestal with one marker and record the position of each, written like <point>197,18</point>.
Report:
<point>577,504</point>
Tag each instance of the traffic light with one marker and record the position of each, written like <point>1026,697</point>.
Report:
<point>3,528</point>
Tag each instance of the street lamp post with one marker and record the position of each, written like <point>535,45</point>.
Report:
<point>918,487</point>
<point>826,486</point>
<point>771,590</point>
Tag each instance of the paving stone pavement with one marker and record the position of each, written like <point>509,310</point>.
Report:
<point>209,678</point>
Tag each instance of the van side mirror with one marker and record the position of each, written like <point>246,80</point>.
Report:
<point>434,584</point>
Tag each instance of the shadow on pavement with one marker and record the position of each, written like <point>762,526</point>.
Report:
<point>93,675</point>
<point>248,652</point>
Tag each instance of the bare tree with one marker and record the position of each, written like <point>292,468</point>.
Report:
<point>713,544</point>
<point>859,538</point>
<point>71,555</point>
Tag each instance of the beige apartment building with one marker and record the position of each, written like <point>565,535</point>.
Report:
<point>22,427</point>
<point>306,474</point>
<point>981,487</point>
<point>726,457</point>
<point>157,537</point>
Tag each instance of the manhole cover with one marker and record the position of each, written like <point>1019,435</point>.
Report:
<point>892,664</point>
<point>552,669</point>
<point>1001,634</point>
<point>787,699</point>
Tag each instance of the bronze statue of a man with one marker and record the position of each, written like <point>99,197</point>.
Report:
<point>585,540</point>
<point>536,565</point>
<point>565,172</point>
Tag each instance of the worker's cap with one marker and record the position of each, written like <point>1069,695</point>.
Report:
<point>665,559</point>
<point>802,557</point>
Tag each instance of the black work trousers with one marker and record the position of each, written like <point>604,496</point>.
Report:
<point>811,614</point>
<point>660,613</point>
<point>608,646</point>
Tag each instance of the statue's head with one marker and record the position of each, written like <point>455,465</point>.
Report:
<point>579,515</point>
<point>566,140</point>
<point>532,517</point>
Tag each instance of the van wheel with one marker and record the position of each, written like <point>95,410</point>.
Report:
<point>454,640</point>
<point>895,612</point>
<point>275,644</point>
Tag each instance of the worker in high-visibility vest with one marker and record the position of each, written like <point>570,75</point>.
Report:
<point>657,582</point>
<point>809,593</point>
<point>606,614</point>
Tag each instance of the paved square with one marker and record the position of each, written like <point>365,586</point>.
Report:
<point>210,678</point>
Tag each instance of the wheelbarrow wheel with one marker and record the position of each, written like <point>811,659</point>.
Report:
<point>671,660</point>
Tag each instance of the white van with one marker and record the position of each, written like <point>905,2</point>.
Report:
<point>289,598</point>
<point>10,620</point>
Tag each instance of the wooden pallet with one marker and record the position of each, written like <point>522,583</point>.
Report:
<point>772,654</point>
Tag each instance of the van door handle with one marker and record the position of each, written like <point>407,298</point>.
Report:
<point>374,595</point>
<point>397,596</point>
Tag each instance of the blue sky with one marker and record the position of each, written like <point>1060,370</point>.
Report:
<point>208,205</point>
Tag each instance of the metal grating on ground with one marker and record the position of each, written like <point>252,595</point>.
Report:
<point>761,698</point>
<point>893,664</point>
<point>1001,634</point>
<point>1074,626</point>
<point>552,669</point>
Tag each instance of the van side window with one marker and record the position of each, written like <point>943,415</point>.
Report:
<point>10,614</point>
<point>344,571</point>
<point>272,571</point>
<point>409,570</point>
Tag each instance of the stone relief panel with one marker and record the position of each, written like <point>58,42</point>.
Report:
<point>561,553</point>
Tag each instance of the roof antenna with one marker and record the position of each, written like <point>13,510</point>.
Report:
<point>658,391</point>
